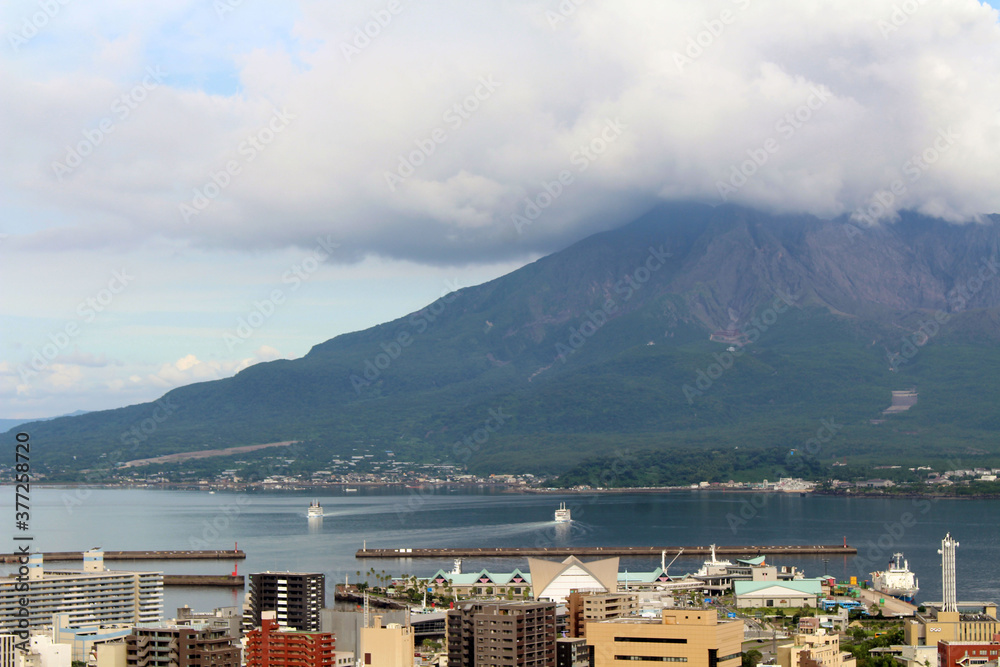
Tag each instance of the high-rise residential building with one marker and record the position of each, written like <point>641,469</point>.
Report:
<point>295,597</point>
<point>502,634</point>
<point>274,645</point>
<point>572,652</point>
<point>590,606</point>
<point>93,596</point>
<point>385,646</point>
<point>181,644</point>
<point>693,636</point>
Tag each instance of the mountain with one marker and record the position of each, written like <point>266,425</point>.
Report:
<point>605,347</point>
<point>8,424</point>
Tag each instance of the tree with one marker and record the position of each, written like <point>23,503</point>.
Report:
<point>433,646</point>
<point>752,658</point>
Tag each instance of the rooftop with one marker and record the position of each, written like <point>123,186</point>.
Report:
<point>197,626</point>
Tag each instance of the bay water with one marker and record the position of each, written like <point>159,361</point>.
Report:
<point>271,527</point>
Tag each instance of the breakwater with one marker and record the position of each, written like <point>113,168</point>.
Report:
<point>214,554</point>
<point>222,580</point>
<point>543,552</point>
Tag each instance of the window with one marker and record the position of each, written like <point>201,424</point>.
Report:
<point>652,640</point>
<point>650,658</point>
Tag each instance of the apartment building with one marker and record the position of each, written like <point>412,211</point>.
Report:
<point>502,634</point>
<point>295,597</point>
<point>93,596</point>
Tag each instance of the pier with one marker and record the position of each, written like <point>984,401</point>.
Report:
<point>562,552</point>
<point>55,556</point>
<point>221,580</point>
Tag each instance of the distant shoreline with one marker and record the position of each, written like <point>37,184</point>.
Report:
<point>506,489</point>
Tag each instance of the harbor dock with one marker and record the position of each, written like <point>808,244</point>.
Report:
<point>562,552</point>
<point>217,554</point>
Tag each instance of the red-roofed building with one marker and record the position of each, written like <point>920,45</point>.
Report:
<point>272,645</point>
<point>968,654</point>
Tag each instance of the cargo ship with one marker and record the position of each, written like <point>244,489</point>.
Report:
<point>896,580</point>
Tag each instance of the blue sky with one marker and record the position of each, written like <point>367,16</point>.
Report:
<point>170,169</point>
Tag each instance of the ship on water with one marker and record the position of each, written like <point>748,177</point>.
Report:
<point>713,568</point>
<point>315,510</point>
<point>563,514</point>
<point>896,580</point>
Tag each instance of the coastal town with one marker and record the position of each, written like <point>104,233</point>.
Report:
<point>360,471</point>
<point>523,333</point>
<point>736,610</point>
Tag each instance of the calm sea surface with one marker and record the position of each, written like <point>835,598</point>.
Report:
<point>274,532</point>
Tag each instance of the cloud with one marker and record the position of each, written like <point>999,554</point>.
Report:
<point>190,369</point>
<point>93,385</point>
<point>78,358</point>
<point>700,89</point>
<point>8,380</point>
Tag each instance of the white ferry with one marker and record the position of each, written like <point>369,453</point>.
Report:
<point>563,514</point>
<point>896,580</point>
<point>315,510</point>
<point>714,567</point>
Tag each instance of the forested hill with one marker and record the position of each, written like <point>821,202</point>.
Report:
<point>606,345</point>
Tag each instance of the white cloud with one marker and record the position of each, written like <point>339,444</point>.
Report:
<point>324,172</point>
<point>85,83</point>
<point>94,386</point>
<point>189,369</point>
